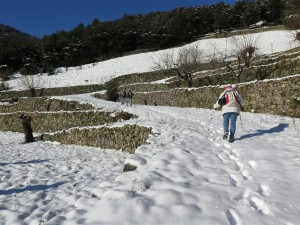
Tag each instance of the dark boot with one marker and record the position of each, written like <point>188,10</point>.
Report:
<point>225,136</point>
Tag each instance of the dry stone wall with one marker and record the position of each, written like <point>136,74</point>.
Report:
<point>55,121</point>
<point>127,138</point>
<point>53,91</point>
<point>72,127</point>
<point>43,104</point>
<point>271,96</point>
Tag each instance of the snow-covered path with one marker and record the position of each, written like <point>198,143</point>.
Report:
<point>186,174</point>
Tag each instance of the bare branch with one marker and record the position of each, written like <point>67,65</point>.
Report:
<point>184,64</point>
<point>31,83</point>
<point>243,50</point>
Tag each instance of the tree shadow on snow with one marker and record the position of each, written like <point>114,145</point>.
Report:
<point>26,162</point>
<point>279,128</point>
<point>30,188</point>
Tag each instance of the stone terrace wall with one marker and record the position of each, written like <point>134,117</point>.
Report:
<point>59,91</point>
<point>273,96</point>
<point>55,121</point>
<point>43,104</point>
<point>127,138</point>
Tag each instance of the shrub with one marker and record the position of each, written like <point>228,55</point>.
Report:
<point>124,116</point>
<point>3,86</point>
<point>298,36</point>
<point>112,90</point>
<point>5,73</point>
<point>295,102</point>
<point>29,69</point>
<point>129,167</point>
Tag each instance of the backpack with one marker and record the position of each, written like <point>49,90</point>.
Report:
<point>129,94</point>
<point>229,98</point>
<point>222,100</point>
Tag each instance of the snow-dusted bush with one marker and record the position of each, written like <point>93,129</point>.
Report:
<point>298,36</point>
<point>31,83</point>
<point>129,167</point>
<point>3,86</point>
<point>296,102</point>
<point>112,90</point>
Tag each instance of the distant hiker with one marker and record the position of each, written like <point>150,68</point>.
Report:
<point>122,97</point>
<point>129,96</point>
<point>26,123</point>
<point>231,102</point>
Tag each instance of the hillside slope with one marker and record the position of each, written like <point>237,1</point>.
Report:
<point>186,173</point>
<point>99,73</point>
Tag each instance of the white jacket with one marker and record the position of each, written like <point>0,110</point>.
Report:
<point>232,106</point>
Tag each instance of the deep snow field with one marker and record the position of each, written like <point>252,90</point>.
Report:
<point>187,174</point>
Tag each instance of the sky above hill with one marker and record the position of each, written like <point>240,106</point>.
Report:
<point>44,17</point>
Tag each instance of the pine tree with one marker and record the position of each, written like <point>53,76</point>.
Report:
<point>292,14</point>
<point>276,10</point>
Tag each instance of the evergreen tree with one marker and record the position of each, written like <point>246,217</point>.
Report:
<point>275,11</point>
<point>292,14</point>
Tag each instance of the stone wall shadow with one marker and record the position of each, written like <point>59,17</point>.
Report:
<point>279,128</point>
<point>25,162</point>
<point>40,187</point>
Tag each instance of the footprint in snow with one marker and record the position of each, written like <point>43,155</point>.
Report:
<point>212,139</point>
<point>242,195</point>
<point>252,164</point>
<point>238,166</point>
<point>226,145</point>
<point>264,190</point>
<point>233,217</point>
<point>234,180</point>
<point>232,156</point>
<point>259,205</point>
<point>220,157</point>
<point>245,175</point>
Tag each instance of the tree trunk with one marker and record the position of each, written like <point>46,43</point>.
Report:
<point>33,92</point>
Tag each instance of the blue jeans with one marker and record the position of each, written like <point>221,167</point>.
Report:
<point>232,116</point>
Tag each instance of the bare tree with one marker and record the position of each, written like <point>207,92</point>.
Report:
<point>241,54</point>
<point>31,83</point>
<point>164,62</point>
<point>183,65</point>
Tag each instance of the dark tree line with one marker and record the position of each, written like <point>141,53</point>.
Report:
<point>131,33</point>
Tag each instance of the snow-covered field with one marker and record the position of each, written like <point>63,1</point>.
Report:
<point>99,73</point>
<point>187,174</point>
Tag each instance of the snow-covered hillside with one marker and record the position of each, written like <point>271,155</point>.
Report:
<point>186,174</point>
<point>99,73</point>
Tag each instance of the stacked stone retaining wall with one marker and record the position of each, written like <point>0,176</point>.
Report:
<point>55,121</point>
<point>43,105</point>
<point>271,96</point>
<point>127,138</point>
<point>59,91</point>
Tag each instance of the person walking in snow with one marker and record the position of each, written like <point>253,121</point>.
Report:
<point>122,97</point>
<point>231,102</point>
<point>129,96</point>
